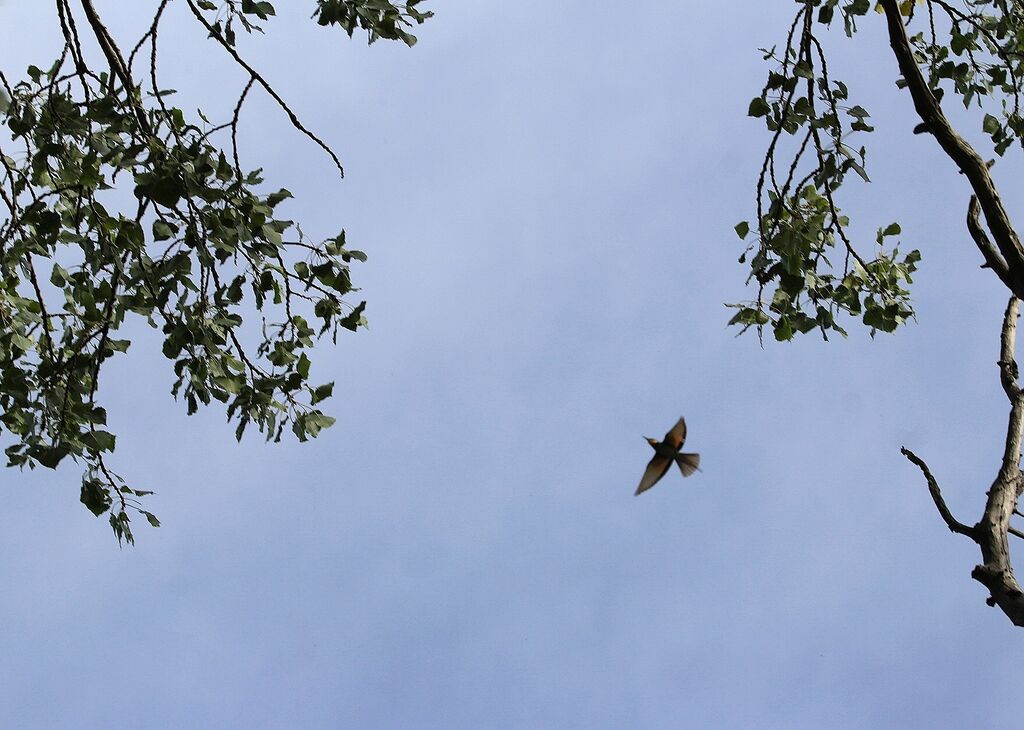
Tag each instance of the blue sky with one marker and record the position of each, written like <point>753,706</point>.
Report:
<point>546,192</point>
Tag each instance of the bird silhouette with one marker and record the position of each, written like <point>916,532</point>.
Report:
<point>665,452</point>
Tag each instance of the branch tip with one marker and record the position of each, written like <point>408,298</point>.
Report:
<point>952,523</point>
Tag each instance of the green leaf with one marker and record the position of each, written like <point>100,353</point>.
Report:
<point>347,256</point>
<point>749,316</point>
<point>122,528</point>
<point>59,276</point>
<point>23,343</point>
<point>95,496</point>
<point>803,70</point>
<point>230,384</point>
<point>274,198</point>
<point>355,318</point>
<point>322,393</point>
<point>783,329</point>
<point>858,7</point>
<point>99,440</point>
<point>166,191</point>
<point>316,421</point>
<point>742,229</point>
<point>758,107</point>
<point>859,169</point>
<point>162,231</point>
<point>48,456</point>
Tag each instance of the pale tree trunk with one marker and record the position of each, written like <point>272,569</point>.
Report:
<point>992,532</point>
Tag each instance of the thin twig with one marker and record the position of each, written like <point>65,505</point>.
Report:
<point>292,117</point>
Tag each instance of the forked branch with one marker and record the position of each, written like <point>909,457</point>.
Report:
<point>992,531</point>
<point>993,259</point>
<point>960,152</point>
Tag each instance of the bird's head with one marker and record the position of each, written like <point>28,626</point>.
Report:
<point>652,442</point>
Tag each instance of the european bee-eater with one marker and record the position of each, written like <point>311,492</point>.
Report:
<point>665,452</point>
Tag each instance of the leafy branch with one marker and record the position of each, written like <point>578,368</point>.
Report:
<point>199,250</point>
<point>807,269</point>
<point>972,50</point>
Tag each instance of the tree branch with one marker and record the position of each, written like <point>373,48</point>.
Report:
<point>255,75</point>
<point>107,45</point>
<point>118,67</point>
<point>994,529</point>
<point>1008,372</point>
<point>957,149</point>
<point>933,487</point>
<point>993,259</point>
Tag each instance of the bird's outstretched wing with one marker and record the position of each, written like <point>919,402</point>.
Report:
<point>688,463</point>
<point>655,470</point>
<point>676,436</point>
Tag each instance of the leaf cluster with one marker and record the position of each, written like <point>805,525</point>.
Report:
<point>380,18</point>
<point>806,267</point>
<point>120,205</point>
<point>977,53</point>
<point>973,50</point>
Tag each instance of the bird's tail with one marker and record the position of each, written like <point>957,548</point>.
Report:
<point>688,463</point>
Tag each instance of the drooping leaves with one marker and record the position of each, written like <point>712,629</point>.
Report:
<point>807,268</point>
<point>198,249</point>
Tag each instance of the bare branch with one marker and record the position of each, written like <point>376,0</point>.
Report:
<point>110,50</point>
<point>118,67</point>
<point>1008,371</point>
<point>933,487</point>
<point>993,259</point>
<point>994,528</point>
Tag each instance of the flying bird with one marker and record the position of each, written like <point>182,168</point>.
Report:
<point>665,452</point>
